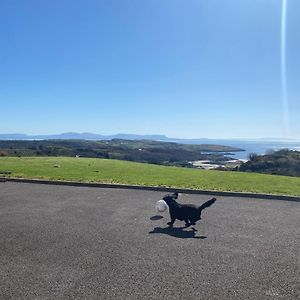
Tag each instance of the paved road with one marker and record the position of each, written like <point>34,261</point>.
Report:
<point>61,242</point>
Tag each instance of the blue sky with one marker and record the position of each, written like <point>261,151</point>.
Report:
<point>182,68</point>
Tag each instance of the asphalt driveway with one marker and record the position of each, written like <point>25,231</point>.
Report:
<point>62,242</point>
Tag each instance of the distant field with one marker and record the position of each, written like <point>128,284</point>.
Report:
<point>123,172</point>
<point>144,151</point>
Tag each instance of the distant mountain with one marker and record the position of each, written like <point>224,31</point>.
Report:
<point>82,136</point>
<point>154,137</point>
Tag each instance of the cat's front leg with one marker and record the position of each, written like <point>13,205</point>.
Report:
<point>172,221</point>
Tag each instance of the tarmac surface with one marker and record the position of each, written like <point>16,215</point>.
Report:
<point>64,242</point>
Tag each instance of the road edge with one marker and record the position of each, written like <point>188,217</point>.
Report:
<point>152,188</point>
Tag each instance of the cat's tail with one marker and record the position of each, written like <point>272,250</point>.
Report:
<point>207,204</point>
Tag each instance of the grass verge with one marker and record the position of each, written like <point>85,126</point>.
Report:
<point>123,172</point>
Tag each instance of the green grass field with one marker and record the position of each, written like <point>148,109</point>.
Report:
<point>123,172</point>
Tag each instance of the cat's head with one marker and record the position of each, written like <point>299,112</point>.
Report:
<point>170,198</point>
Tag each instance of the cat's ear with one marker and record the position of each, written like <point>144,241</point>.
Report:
<point>175,195</point>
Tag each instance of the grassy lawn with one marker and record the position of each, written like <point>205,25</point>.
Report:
<point>123,172</point>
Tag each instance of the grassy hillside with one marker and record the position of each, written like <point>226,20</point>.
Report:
<point>122,172</point>
<point>282,162</point>
<point>146,151</point>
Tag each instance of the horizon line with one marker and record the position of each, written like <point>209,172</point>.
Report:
<point>154,134</point>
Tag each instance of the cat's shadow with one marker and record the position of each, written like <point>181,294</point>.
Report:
<point>178,232</point>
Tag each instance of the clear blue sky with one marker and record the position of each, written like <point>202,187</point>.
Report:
<point>186,69</point>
